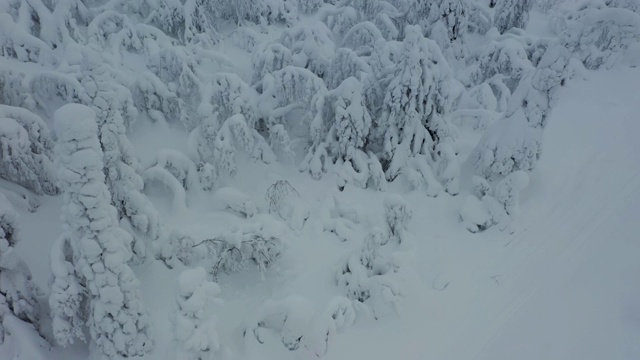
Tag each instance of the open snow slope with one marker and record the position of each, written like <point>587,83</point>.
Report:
<point>564,283</point>
<point>568,284</point>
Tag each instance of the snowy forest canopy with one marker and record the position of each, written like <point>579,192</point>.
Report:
<point>372,94</point>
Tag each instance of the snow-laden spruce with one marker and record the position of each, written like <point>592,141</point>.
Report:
<point>17,290</point>
<point>412,123</point>
<point>115,112</point>
<point>488,207</point>
<point>599,35</point>
<point>101,250</point>
<point>512,14</point>
<point>26,150</point>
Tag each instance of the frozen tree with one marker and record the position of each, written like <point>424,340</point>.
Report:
<point>479,19</point>
<point>339,315</point>
<point>155,98</point>
<point>178,165</point>
<point>235,201</point>
<point>214,146</point>
<point>411,123</point>
<point>270,58</point>
<point>284,201</point>
<point>13,91</point>
<point>293,91</point>
<point>311,46</point>
<point>26,150</point>
<point>383,15</point>
<point>340,19</point>
<point>345,129</point>
<point>254,244</point>
<point>101,249</point>
<point>177,72</point>
<point>67,298</point>
<point>280,196</point>
<point>346,63</point>
<point>508,189</point>
<point>448,166</point>
<point>115,112</point>
<point>362,38</point>
<point>190,21</point>
<point>370,275</point>
<point>398,215</point>
<point>230,95</point>
<point>18,43</point>
<point>512,14</point>
<point>507,59</point>
<point>510,144</point>
<point>194,326</point>
<point>50,89</point>
<point>290,317</point>
<point>450,26</point>
<point>17,290</point>
<point>497,207</point>
<point>474,215</point>
<point>599,35</point>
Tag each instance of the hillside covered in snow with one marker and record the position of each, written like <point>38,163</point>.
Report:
<point>319,179</point>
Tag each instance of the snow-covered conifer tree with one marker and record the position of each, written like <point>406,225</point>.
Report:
<point>311,46</point>
<point>512,14</point>
<point>412,124</point>
<point>346,63</point>
<point>398,215</point>
<point>26,150</point>
<point>67,297</point>
<point>17,290</point>
<point>117,319</point>
<point>599,35</point>
<point>270,58</point>
<point>510,144</point>
<point>114,113</point>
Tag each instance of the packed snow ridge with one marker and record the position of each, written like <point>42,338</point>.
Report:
<point>302,179</point>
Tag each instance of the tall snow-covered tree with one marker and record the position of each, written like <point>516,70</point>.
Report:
<point>17,290</point>
<point>116,316</point>
<point>114,113</point>
<point>412,121</point>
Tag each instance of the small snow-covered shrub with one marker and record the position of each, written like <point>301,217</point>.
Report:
<point>338,315</point>
<point>398,215</point>
<point>474,215</point>
<point>232,199</point>
<point>284,201</point>
<point>291,317</point>
<point>194,325</point>
<point>498,206</point>
<point>232,251</point>
<point>370,276</point>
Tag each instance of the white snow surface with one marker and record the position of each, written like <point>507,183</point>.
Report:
<point>561,284</point>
